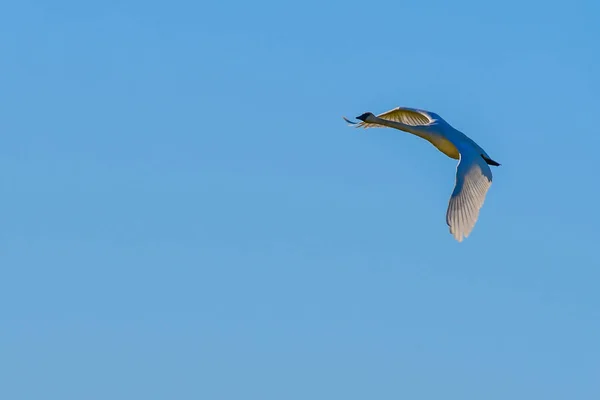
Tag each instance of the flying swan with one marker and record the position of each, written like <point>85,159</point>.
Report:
<point>473,175</point>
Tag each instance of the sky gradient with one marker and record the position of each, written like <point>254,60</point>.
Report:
<point>187,216</point>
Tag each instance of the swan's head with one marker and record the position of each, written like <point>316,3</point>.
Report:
<point>365,116</point>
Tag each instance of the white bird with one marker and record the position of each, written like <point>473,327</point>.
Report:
<point>473,175</point>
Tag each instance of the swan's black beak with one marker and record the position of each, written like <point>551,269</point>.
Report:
<point>364,116</point>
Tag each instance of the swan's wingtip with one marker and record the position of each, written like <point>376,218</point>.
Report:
<point>348,121</point>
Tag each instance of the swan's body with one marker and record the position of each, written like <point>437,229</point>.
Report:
<point>473,174</point>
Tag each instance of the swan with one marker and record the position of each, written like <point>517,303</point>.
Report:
<point>473,174</point>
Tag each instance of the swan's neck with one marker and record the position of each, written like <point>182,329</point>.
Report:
<point>440,142</point>
<point>415,130</point>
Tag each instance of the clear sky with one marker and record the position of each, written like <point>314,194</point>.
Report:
<point>185,215</point>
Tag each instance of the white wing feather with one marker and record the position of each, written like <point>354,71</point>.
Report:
<point>473,179</point>
<point>405,115</point>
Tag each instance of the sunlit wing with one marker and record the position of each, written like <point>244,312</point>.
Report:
<point>473,179</point>
<point>405,115</point>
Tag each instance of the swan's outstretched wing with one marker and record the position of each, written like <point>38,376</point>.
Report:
<point>473,179</point>
<point>405,115</point>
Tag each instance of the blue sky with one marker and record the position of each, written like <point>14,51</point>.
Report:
<point>186,215</point>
